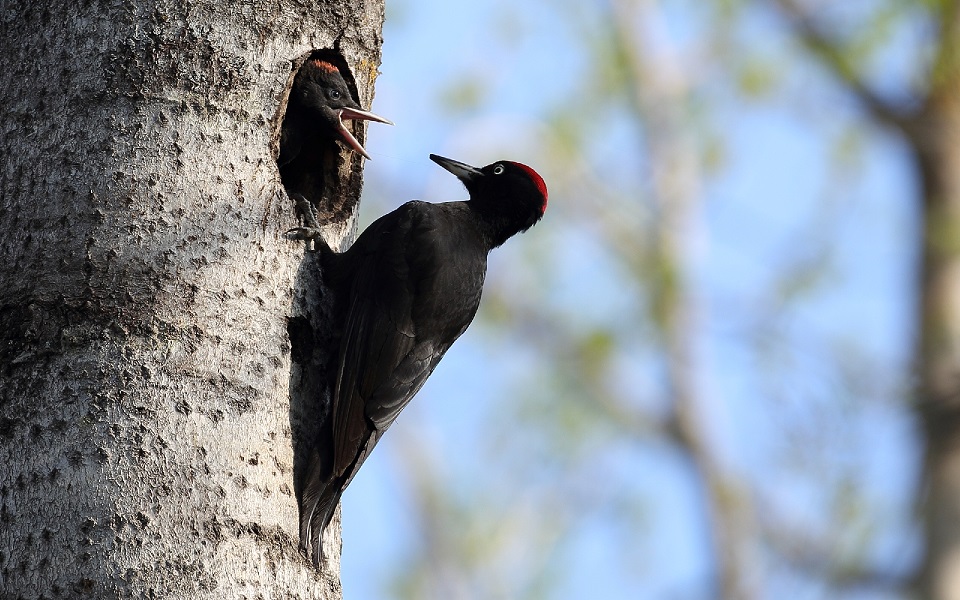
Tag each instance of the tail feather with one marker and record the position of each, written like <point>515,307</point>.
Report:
<point>317,505</point>
<point>321,520</point>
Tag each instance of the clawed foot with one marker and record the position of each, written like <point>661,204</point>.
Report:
<point>311,230</point>
<point>304,233</point>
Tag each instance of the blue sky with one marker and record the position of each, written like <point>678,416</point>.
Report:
<point>778,200</point>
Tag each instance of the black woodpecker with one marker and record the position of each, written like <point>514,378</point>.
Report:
<point>319,103</point>
<point>405,291</point>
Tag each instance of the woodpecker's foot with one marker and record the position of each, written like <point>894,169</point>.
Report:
<point>308,211</point>
<point>310,232</point>
<point>306,234</point>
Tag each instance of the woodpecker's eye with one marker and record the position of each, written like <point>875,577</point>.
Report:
<point>334,94</point>
<point>498,170</point>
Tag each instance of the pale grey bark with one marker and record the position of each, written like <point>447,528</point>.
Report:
<point>149,408</point>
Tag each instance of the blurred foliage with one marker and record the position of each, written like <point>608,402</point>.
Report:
<point>469,94</point>
<point>659,408</point>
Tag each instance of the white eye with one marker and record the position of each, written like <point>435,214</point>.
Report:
<point>498,170</point>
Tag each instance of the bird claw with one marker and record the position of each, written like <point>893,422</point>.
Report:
<point>308,211</point>
<point>306,234</point>
<point>311,231</point>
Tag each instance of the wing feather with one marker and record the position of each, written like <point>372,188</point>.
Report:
<point>397,329</point>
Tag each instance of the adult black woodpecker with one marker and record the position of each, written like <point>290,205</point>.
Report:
<point>319,103</point>
<point>406,290</point>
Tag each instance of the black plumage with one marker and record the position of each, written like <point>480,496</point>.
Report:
<point>407,289</point>
<point>319,103</point>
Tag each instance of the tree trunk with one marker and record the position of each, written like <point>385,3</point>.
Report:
<point>936,138</point>
<point>151,418</point>
<point>939,152</point>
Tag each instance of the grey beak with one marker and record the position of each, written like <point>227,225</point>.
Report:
<point>464,172</point>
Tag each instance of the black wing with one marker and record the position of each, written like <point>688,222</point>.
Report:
<point>385,354</point>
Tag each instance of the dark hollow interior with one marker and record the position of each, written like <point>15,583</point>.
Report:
<point>322,170</point>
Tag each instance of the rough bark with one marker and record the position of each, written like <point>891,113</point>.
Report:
<point>150,413</point>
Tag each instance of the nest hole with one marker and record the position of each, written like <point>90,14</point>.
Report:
<point>322,171</point>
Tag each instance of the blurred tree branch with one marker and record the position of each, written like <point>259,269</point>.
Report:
<point>933,134</point>
<point>658,84</point>
<point>837,60</point>
<point>659,94</point>
<point>819,557</point>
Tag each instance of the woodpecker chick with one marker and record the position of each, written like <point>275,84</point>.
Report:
<point>320,102</point>
<point>406,290</point>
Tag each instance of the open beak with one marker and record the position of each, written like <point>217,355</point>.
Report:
<point>353,114</point>
<point>464,172</point>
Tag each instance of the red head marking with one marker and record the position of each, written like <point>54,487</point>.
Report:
<point>324,66</point>
<point>537,181</point>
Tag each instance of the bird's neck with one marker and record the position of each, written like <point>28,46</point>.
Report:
<point>497,221</point>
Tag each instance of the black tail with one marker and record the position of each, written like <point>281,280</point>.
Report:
<point>318,503</point>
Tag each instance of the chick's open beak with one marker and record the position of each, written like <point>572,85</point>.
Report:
<point>354,114</point>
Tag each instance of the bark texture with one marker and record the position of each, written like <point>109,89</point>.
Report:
<point>150,413</point>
